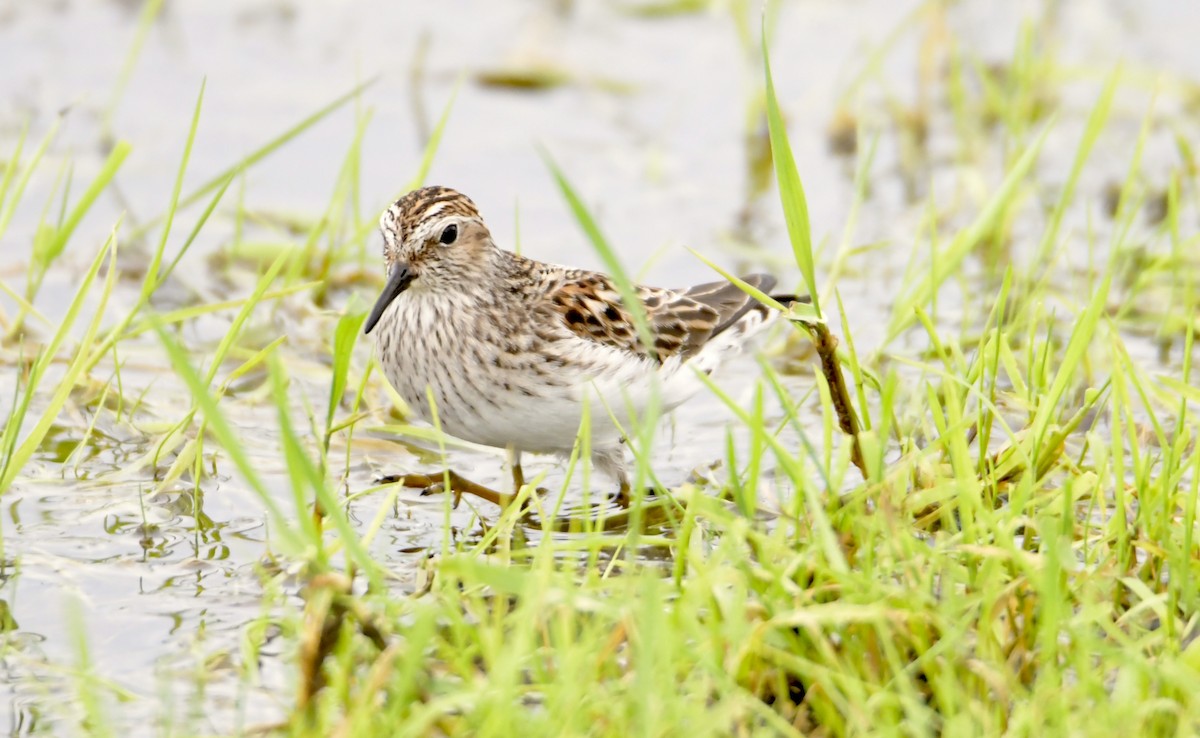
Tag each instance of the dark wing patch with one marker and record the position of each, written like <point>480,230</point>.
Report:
<point>728,300</point>
<point>589,306</point>
<point>680,321</point>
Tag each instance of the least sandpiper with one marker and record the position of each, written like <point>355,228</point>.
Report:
<point>511,349</point>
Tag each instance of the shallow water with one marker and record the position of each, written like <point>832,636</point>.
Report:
<point>650,127</point>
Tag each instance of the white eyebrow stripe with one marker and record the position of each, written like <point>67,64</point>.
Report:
<point>424,231</point>
<point>433,210</point>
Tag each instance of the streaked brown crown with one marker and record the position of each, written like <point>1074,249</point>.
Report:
<point>414,208</point>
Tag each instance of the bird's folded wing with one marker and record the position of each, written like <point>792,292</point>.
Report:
<point>681,321</point>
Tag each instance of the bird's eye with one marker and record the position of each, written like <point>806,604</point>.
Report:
<point>449,234</point>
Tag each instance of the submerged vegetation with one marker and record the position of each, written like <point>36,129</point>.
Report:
<point>990,527</point>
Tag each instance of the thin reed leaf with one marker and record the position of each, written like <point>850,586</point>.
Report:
<point>294,542</point>
<point>305,474</point>
<point>145,22</point>
<point>51,248</point>
<point>344,336</point>
<point>814,505</point>
<point>21,454</point>
<point>791,189</point>
<point>947,262</point>
<point>431,146</point>
<point>153,279</point>
<point>1096,122</point>
<point>11,200</point>
<point>625,286</point>
<point>262,152</point>
<point>741,284</point>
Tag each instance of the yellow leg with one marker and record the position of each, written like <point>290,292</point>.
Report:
<point>623,493</point>
<point>518,475</point>
<point>459,485</point>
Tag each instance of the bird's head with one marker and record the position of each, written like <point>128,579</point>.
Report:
<point>433,239</point>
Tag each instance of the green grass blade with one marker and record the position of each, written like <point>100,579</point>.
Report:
<point>344,337</point>
<point>239,320</point>
<point>21,455</point>
<point>145,22</point>
<point>947,262</point>
<point>216,422</point>
<point>791,189</point>
<point>187,243</point>
<point>10,169</point>
<point>612,264</point>
<point>790,465</point>
<point>54,247</point>
<point>183,315</point>
<point>305,473</point>
<point>263,151</point>
<point>431,146</point>
<point>1096,121</point>
<point>153,278</point>
<point>1072,358</point>
<point>741,284</point>
<point>10,201</point>
<point>121,329</point>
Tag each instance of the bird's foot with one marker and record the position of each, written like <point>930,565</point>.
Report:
<point>459,485</point>
<point>430,484</point>
<point>624,495</point>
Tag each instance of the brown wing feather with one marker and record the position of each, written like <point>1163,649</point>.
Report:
<point>728,300</point>
<point>681,322</point>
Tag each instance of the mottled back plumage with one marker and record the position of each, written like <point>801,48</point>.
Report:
<point>680,322</point>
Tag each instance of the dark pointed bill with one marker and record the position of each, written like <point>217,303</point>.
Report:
<point>399,281</point>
